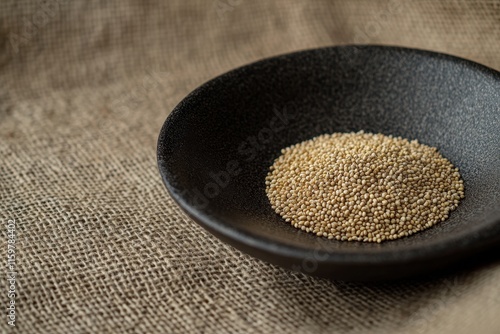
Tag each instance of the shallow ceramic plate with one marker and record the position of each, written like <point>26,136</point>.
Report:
<point>215,149</point>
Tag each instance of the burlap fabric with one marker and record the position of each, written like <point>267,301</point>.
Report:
<point>85,87</point>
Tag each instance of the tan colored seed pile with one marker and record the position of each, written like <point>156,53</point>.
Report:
<point>363,187</point>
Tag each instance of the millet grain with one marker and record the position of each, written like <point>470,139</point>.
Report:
<point>363,187</point>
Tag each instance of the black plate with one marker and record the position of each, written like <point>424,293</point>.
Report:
<point>215,149</point>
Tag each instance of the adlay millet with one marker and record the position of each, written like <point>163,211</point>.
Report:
<point>362,186</point>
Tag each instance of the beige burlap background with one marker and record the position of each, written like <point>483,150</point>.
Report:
<point>84,89</point>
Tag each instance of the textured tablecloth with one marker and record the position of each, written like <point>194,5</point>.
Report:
<point>100,247</point>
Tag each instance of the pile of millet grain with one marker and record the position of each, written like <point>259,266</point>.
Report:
<point>362,186</point>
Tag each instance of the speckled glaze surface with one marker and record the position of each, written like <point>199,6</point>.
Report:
<point>215,149</point>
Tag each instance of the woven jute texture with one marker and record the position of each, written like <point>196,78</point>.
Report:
<point>84,89</point>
